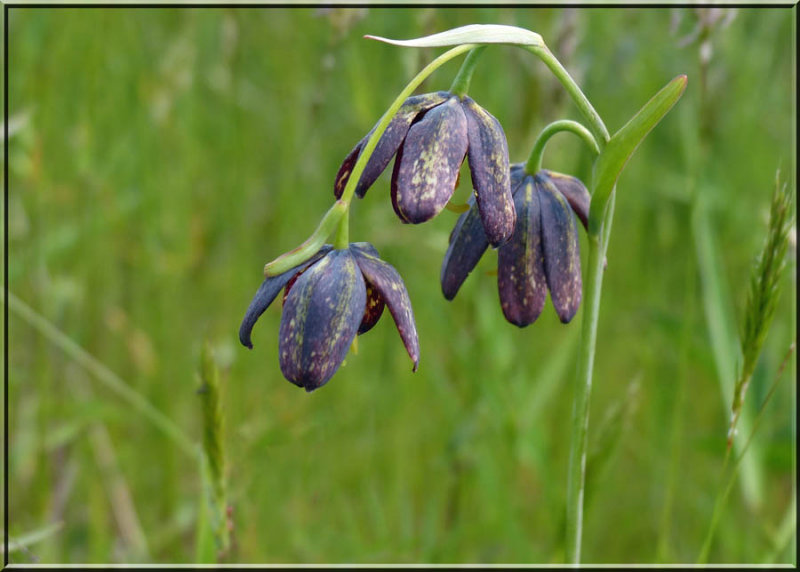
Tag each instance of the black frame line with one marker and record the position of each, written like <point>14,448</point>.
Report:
<point>218,5</point>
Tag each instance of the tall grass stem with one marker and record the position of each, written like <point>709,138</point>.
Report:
<point>102,373</point>
<point>725,491</point>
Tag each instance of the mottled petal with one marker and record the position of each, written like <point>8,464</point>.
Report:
<point>375,302</point>
<point>387,145</point>
<point>373,310</point>
<point>517,174</point>
<point>365,247</point>
<point>427,164</point>
<point>320,320</point>
<point>562,262</point>
<point>343,175</point>
<point>386,280</point>
<point>468,242</point>
<point>521,278</point>
<point>488,164</point>
<point>575,192</point>
<point>266,294</point>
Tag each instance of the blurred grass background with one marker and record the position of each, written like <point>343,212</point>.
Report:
<point>159,157</point>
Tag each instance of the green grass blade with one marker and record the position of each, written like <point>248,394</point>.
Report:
<point>723,339</point>
<point>102,373</point>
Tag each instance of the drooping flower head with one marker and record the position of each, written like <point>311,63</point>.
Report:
<point>542,254</point>
<point>431,134</point>
<point>328,300</point>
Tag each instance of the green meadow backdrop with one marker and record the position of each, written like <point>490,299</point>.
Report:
<point>159,157</point>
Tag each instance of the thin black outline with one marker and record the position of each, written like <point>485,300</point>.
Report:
<point>5,286</point>
<point>217,5</point>
<point>6,9</point>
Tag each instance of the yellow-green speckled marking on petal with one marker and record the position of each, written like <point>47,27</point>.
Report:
<point>387,145</point>
<point>428,163</point>
<point>387,281</point>
<point>521,278</point>
<point>320,319</point>
<point>574,191</point>
<point>488,164</point>
<point>562,260</point>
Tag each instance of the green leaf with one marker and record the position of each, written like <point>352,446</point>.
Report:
<point>473,34</point>
<point>622,145</point>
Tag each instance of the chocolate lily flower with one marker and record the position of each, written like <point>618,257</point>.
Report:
<point>431,134</point>
<point>542,254</point>
<point>328,300</point>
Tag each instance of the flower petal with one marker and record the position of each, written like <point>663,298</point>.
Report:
<point>517,173</point>
<point>343,175</point>
<point>488,164</point>
<point>373,310</point>
<point>387,145</point>
<point>266,294</point>
<point>375,302</point>
<point>386,280</point>
<point>575,192</point>
<point>521,278</point>
<point>562,261</point>
<point>427,164</point>
<point>468,242</point>
<point>320,320</point>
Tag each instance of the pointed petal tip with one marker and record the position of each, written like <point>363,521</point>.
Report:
<point>467,244</point>
<point>386,281</point>
<point>566,315</point>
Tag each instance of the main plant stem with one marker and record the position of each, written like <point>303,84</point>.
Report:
<point>598,244</point>
<point>580,412</point>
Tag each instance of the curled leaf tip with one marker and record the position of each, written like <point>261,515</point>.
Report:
<point>472,34</point>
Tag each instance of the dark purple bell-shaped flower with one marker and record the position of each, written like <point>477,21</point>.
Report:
<point>329,299</point>
<point>542,254</point>
<point>431,134</point>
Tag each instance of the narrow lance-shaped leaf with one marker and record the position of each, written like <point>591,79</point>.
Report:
<point>472,34</point>
<point>619,149</point>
